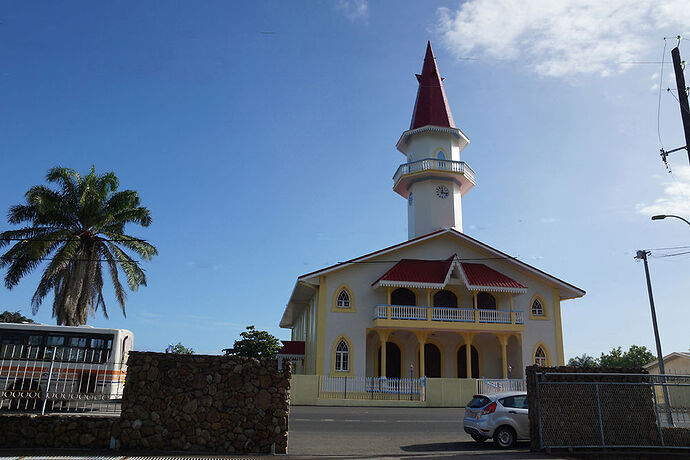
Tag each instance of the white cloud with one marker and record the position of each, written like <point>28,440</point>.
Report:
<point>675,198</point>
<point>354,10</point>
<point>564,37</point>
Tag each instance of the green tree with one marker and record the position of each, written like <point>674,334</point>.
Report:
<point>254,344</point>
<point>180,349</point>
<point>75,228</point>
<point>585,361</point>
<point>14,317</point>
<point>636,356</point>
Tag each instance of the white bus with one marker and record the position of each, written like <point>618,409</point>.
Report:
<point>62,368</point>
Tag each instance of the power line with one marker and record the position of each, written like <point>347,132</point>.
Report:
<point>73,239</point>
<point>459,259</point>
<point>671,255</point>
<point>658,108</point>
<point>668,249</point>
<point>74,260</point>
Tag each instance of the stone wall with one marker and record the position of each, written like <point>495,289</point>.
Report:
<point>55,431</point>
<point>176,403</point>
<point>204,403</point>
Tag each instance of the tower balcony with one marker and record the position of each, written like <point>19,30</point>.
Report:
<point>432,168</point>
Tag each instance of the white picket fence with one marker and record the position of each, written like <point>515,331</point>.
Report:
<point>490,386</point>
<point>372,388</point>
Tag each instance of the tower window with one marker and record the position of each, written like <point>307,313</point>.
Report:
<point>540,357</point>
<point>343,299</point>
<point>537,308</point>
<point>440,155</point>
<point>342,357</point>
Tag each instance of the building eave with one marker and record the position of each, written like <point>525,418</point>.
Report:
<point>401,145</point>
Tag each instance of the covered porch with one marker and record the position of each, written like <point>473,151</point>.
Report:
<point>395,353</point>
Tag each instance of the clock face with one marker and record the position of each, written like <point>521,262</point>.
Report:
<point>442,192</point>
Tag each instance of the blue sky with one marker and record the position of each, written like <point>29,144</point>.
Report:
<point>261,136</point>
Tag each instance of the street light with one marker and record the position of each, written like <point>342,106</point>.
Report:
<point>664,216</point>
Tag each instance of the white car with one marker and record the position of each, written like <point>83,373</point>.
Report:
<point>501,416</point>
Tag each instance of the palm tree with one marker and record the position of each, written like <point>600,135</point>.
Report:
<point>75,229</point>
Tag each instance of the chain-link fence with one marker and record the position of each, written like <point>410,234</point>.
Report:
<point>612,410</point>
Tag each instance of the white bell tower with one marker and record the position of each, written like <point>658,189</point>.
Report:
<point>433,180</point>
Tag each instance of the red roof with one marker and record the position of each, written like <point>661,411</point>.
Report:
<point>419,271</point>
<point>481,275</point>
<point>292,347</point>
<point>436,272</point>
<point>431,106</point>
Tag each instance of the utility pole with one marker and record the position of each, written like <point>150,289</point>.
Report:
<point>682,96</point>
<point>642,254</point>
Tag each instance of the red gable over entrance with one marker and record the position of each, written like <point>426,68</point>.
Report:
<point>436,273</point>
<point>479,275</point>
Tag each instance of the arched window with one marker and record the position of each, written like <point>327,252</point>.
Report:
<point>540,357</point>
<point>402,296</point>
<point>440,155</point>
<point>486,301</point>
<point>342,357</point>
<point>343,299</point>
<point>537,308</point>
<point>445,298</point>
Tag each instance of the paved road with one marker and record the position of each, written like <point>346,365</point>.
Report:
<point>387,432</point>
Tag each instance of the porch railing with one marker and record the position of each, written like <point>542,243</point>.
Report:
<point>372,388</point>
<point>467,315</point>
<point>494,316</point>
<point>452,314</point>
<point>407,312</point>
<point>490,386</point>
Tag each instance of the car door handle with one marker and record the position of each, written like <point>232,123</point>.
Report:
<point>512,412</point>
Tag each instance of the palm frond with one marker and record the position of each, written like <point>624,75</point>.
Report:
<point>135,275</point>
<point>112,266</point>
<point>54,271</point>
<point>144,249</point>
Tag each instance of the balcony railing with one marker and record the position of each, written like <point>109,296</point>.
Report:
<point>465,315</point>
<point>429,164</point>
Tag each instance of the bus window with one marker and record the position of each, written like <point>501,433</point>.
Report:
<point>55,341</point>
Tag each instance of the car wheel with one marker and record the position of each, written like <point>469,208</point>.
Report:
<point>478,437</point>
<point>504,437</point>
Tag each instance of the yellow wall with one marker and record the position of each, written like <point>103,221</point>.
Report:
<point>304,390</point>
<point>450,392</point>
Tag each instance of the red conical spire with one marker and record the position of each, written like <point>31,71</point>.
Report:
<point>431,106</point>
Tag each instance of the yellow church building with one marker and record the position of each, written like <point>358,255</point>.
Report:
<point>439,305</point>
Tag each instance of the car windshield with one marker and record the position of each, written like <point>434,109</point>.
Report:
<point>478,401</point>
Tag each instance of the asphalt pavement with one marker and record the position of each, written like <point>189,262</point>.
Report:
<point>388,432</point>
